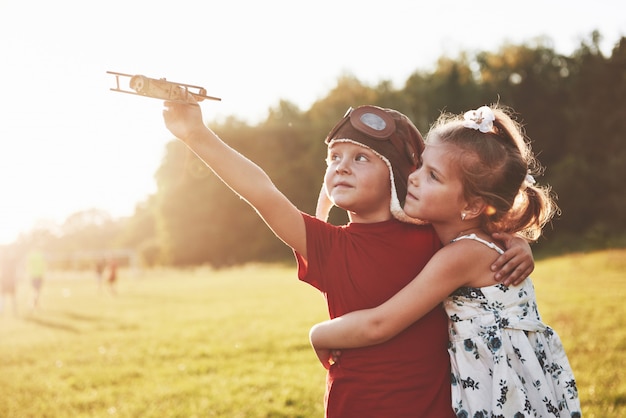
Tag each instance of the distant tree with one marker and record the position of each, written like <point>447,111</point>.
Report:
<point>140,232</point>
<point>89,230</point>
<point>349,92</point>
<point>591,176</point>
<point>183,216</point>
<point>572,108</point>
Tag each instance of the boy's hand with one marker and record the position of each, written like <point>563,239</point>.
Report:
<point>183,120</point>
<point>516,264</point>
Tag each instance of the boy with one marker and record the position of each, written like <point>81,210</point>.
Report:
<point>371,152</point>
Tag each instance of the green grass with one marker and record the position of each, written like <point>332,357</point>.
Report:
<point>583,298</point>
<point>233,343</point>
<point>170,344</point>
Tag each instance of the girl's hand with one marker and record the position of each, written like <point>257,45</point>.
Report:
<point>327,357</point>
<point>516,264</point>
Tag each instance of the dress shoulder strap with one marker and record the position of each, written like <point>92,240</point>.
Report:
<point>475,238</point>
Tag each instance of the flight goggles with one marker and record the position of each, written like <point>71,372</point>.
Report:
<point>386,131</point>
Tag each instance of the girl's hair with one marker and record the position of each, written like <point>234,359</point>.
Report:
<point>498,166</point>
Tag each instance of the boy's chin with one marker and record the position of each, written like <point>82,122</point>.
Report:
<point>342,206</point>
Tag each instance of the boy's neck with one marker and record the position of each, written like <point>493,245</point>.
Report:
<point>370,218</point>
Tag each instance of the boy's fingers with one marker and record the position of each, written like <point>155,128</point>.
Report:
<point>501,265</point>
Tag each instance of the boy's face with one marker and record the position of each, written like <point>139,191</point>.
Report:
<point>358,181</point>
<point>435,190</point>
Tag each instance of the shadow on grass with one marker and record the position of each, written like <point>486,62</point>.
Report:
<point>52,324</point>
<point>78,323</point>
<point>83,317</point>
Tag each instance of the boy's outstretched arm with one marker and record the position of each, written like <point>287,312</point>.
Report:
<point>243,176</point>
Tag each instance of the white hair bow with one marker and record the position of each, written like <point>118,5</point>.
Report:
<point>480,119</point>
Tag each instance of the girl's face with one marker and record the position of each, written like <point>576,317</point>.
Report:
<point>358,180</point>
<point>435,191</point>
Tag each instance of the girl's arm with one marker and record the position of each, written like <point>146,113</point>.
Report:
<point>243,176</point>
<point>510,268</point>
<point>450,268</point>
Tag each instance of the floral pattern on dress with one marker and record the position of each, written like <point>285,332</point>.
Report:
<point>505,361</point>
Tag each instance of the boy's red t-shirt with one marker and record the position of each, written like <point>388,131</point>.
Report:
<point>360,266</point>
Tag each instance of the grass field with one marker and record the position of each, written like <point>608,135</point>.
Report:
<point>234,343</point>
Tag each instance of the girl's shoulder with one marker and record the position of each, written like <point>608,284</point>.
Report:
<point>482,240</point>
<point>473,257</point>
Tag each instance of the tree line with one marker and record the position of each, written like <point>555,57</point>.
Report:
<point>573,109</point>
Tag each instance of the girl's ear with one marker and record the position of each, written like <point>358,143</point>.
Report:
<point>475,208</point>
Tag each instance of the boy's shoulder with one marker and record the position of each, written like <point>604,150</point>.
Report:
<point>397,233</point>
<point>389,230</point>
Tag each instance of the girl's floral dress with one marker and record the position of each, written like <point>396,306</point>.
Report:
<point>505,361</point>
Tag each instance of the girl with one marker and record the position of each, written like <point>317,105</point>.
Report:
<point>475,179</point>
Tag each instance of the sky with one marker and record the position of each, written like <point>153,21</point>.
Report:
<point>68,143</point>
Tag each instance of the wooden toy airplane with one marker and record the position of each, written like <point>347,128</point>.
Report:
<point>160,88</point>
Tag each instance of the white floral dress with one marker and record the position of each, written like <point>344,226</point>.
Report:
<point>505,361</point>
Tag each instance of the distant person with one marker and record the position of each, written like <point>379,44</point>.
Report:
<point>371,152</point>
<point>36,267</point>
<point>100,268</point>
<point>112,276</point>
<point>9,261</point>
<point>476,178</point>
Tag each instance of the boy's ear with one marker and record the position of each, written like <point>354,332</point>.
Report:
<point>475,208</point>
